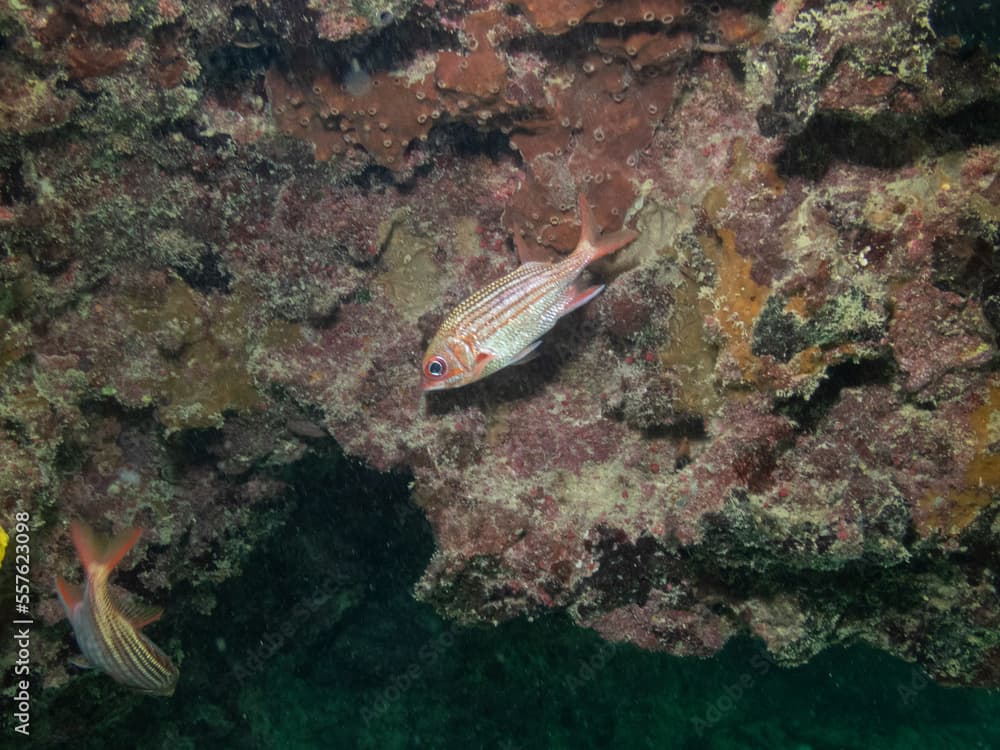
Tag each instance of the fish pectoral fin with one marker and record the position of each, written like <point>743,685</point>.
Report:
<point>70,594</point>
<point>527,354</point>
<point>80,662</point>
<point>580,297</point>
<point>137,613</point>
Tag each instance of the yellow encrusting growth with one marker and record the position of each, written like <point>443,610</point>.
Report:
<point>953,513</point>
<point>739,299</point>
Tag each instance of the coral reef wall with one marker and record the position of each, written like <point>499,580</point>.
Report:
<point>227,231</point>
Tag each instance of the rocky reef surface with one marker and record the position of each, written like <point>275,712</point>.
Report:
<point>227,231</point>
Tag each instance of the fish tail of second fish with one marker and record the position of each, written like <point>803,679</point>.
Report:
<point>593,245</point>
<point>98,555</point>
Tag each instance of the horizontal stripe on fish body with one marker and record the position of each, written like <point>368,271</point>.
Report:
<point>486,303</point>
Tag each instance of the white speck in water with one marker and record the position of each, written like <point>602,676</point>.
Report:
<point>129,477</point>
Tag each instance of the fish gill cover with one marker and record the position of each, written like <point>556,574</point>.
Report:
<point>228,233</point>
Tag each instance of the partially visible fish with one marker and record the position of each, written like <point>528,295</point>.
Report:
<point>108,632</point>
<point>502,323</point>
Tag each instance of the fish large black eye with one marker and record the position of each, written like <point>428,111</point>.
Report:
<point>437,367</point>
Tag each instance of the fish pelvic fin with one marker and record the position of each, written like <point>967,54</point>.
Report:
<point>527,354</point>
<point>80,662</point>
<point>592,242</point>
<point>95,554</point>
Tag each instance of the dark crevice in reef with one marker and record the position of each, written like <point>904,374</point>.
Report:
<point>969,266</point>
<point>208,274</point>
<point>807,412</point>
<point>886,141</point>
<point>193,447</point>
<point>251,49</point>
<point>858,587</point>
<point>12,187</point>
<point>389,45</point>
<point>627,569</point>
<point>690,427</point>
<point>467,141</point>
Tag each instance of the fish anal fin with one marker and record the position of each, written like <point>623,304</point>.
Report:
<point>70,594</point>
<point>527,354</point>
<point>138,613</point>
<point>93,551</point>
<point>579,297</point>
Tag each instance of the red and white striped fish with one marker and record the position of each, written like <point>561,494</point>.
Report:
<point>502,324</point>
<point>107,632</point>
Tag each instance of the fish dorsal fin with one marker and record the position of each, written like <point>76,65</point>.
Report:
<point>95,552</point>
<point>70,594</point>
<point>136,612</point>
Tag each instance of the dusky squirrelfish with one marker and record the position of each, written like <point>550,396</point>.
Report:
<point>108,632</point>
<point>502,324</point>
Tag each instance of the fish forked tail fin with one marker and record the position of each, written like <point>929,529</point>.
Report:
<point>94,552</point>
<point>597,246</point>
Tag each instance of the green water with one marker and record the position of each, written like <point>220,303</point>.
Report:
<point>360,663</point>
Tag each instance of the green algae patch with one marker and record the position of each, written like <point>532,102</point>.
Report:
<point>209,382</point>
<point>411,278</point>
<point>30,104</point>
<point>15,342</point>
<point>195,367</point>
